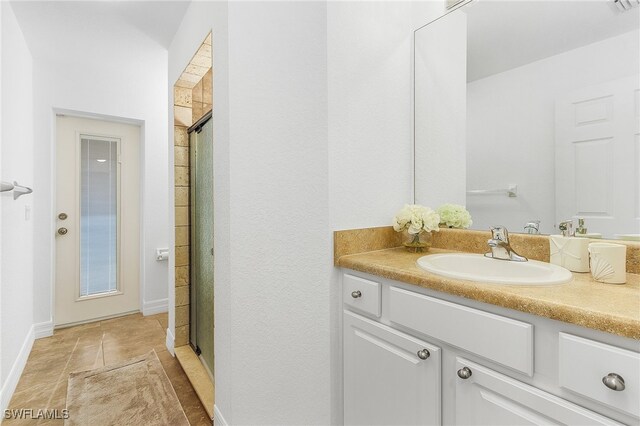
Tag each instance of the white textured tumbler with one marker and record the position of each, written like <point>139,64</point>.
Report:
<point>608,262</point>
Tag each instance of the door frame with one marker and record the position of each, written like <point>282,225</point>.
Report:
<point>53,185</point>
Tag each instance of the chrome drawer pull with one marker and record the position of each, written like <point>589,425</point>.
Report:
<point>614,382</point>
<point>356,294</point>
<point>464,373</point>
<point>424,354</point>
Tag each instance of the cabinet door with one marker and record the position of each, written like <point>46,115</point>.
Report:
<point>490,398</point>
<point>390,378</point>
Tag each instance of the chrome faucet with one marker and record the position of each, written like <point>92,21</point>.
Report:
<point>500,248</point>
<point>566,228</point>
<point>532,227</point>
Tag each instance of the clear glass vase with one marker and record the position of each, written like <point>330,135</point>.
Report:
<point>417,243</point>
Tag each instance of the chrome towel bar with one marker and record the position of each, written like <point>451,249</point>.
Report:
<point>18,190</point>
<point>511,191</point>
<point>6,186</point>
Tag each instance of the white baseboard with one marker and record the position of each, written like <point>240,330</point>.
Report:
<point>155,307</point>
<point>170,342</point>
<point>43,329</point>
<point>10,384</point>
<point>218,419</point>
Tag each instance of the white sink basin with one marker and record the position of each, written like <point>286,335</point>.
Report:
<point>477,267</point>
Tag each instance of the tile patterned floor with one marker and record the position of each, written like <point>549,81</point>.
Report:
<point>43,384</point>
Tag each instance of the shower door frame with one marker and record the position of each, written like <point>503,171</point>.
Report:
<point>193,246</point>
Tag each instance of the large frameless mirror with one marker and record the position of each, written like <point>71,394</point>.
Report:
<point>528,112</point>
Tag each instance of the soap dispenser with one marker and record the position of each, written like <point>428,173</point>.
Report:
<point>569,251</point>
<point>581,230</point>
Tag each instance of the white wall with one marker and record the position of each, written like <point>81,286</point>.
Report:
<point>296,131</point>
<point>370,129</point>
<point>1,74</point>
<point>109,82</point>
<point>279,181</point>
<point>272,303</point>
<point>370,93</point>
<point>511,129</point>
<point>16,154</point>
<point>440,111</point>
<point>2,37</point>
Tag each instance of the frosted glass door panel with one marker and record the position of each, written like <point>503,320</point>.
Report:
<point>99,216</point>
<point>201,143</point>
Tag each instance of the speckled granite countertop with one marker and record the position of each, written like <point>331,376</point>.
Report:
<point>606,307</point>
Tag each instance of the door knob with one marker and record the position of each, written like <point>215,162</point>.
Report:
<point>62,231</point>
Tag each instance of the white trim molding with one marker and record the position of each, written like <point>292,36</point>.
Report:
<point>155,307</point>
<point>218,419</point>
<point>43,329</point>
<point>13,377</point>
<point>170,342</point>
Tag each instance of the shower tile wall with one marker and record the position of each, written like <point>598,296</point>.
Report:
<point>201,96</point>
<point>181,164</point>
<point>192,99</point>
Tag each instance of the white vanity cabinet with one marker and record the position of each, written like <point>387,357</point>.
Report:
<point>389,377</point>
<point>415,356</point>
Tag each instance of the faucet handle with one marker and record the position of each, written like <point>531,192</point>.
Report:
<point>500,233</point>
<point>532,227</point>
<point>566,228</point>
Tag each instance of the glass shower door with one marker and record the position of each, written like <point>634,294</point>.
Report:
<point>201,294</point>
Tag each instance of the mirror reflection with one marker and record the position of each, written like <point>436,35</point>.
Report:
<point>529,112</point>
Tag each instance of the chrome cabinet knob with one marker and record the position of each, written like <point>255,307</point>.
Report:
<point>464,373</point>
<point>424,354</point>
<point>356,294</point>
<point>62,231</point>
<point>63,216</point>
<point>614,382</point>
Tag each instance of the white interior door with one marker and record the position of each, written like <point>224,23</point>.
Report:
<point>97,219</point>
<point>598,156</point>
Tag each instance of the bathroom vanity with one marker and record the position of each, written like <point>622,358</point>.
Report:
<point>419,348</point>
<point>525,115</point>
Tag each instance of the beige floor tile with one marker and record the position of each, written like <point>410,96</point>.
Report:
<point>164,322</point>
<point>19,422</point>
<point>43,383</point>
<point>34,397</point>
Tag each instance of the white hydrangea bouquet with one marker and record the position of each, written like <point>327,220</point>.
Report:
<point>454,216</point>
<point>417,220</point>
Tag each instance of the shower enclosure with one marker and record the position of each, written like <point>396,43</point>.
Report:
<point>201,267</point>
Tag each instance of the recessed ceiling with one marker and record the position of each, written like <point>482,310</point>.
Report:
<point>53,27</point>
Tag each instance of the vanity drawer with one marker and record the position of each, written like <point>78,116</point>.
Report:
<point>361,294</point>
<point>486,397</point>
<point>584,363</point>
<point>497,338</point>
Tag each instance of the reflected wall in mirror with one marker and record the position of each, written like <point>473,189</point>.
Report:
<point>530,111</point>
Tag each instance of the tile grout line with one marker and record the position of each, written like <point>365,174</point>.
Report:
<point>104,363</point>
<point>62,373</point>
